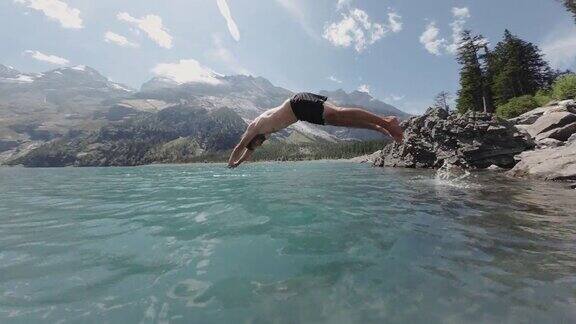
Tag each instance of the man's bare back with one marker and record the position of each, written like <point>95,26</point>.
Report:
<point>275,119</point>
<point>314,109</point>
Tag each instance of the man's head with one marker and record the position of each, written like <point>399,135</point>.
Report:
<point>256,142</point>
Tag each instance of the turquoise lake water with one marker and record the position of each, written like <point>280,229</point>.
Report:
<point>312,242</point>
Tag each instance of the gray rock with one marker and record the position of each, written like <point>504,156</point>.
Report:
<point>368,158</point>
<point>548,164</point>
<point>19,151</point>
<point>548,142</point>
<point>550,121</point>
<point>522,127</point>
<point>468,140</point>
<point>532,116</point>
<point>494,167</point>
<point>570,105</point>
<point>561,108</point>
<point>560,133</point>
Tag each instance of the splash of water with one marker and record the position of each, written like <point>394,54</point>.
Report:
<point>452,175</point>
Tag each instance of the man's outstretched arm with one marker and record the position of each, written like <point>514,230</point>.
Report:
<point>238,151</point>
<point>245,156</point>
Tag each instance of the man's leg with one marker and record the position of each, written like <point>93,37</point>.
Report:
<point>360,118</point>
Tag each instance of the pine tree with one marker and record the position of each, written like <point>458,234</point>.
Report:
<point>517,68</point>
<point>473,84</point>
<point>570,6</point>
<point>488,73</point>
<point>441,100</point>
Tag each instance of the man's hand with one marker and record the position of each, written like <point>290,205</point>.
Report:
<point>245,156</point>
<point>236,155</point>
<point>394,129</point>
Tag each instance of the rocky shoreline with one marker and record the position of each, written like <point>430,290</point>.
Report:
<point>553,129</point>
<point>539,144</point>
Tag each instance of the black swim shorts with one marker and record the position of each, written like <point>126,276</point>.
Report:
<point>309,107</point>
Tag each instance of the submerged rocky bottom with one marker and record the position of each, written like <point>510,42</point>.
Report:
<point>313,242</point>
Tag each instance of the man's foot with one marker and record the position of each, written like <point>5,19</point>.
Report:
<point>394,129</point>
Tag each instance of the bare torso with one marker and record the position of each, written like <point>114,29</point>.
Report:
<point>275,119</point>
<point>279,118</point>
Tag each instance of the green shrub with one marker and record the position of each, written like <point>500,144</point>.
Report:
<point>543,97</point>
<point>516,107</point>
<point>565,87</point>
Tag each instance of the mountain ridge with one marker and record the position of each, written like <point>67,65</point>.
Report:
<point>72,103</point>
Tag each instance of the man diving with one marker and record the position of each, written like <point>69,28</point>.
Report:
<point>314,109</point>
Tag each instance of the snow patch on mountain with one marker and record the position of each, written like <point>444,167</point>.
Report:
<point>22,78</point>
<point>118,86</point>
<point>79,68</point>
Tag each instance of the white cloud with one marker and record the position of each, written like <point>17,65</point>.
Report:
<point>120,40</point>
<point>225,11</point>
<point>364,88</point>
<point>560,48</point>
<point>355,29</point>
<point>295,9</point>
<point>152,26</point>
<point>334,79</point>
<point>52,59</point>
<point>223,54</point>
<point>185,71</point>
<point>461,15</point>
<point>56,10</point>
<point>430,39</point>
<point>343,4</point>
<point>395,22</point>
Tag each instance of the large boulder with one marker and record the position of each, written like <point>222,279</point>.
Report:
<point>532,116</point>
<point>557,163</point>
<point>554,131</point>
<point>548,142</point>
<point>550,122</point>
<point>561,133</point>
<point>471,140</point>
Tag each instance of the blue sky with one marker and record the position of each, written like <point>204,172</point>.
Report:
<point>398,50</point>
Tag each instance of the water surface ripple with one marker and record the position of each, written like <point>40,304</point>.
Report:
<point>317,242</point>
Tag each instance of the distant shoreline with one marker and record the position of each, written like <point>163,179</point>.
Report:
<point>255,162</point>
<point>351,160</point>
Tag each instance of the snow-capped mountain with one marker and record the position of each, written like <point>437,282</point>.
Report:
<point>250,96</point>
<point>36,107</point>
<point>77,89</point>
<point>70,77</point>
<point>81,76</point>
<point>72,102</point>
<point>8,72</point>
